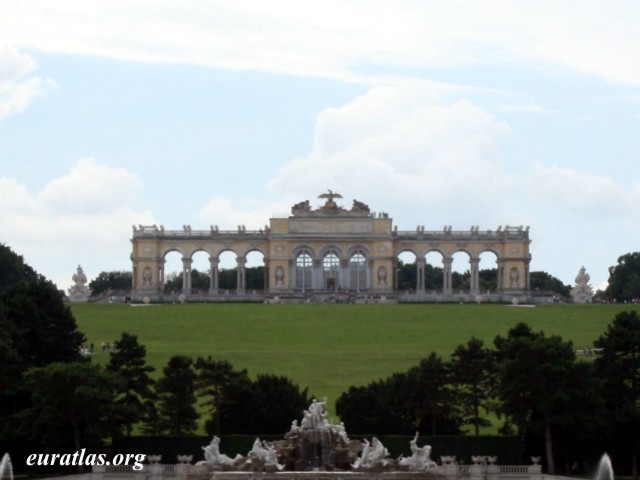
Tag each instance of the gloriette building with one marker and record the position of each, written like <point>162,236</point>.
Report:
<point>332,253</point>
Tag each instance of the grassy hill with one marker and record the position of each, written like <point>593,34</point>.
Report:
<point>328,347</point>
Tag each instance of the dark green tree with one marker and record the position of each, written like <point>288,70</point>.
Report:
<point>624,278</point>
<point>618,363</point>
<point>275,401</point>
<point>199,281</point>
<point>406,275</point>
<point>432,399</point>
<point>473,370</point>
<point>115,280</point>
<point>176,397</point>
<point>13,269</point>
<point>41,327</point>
<point>254,278</point>
<point>72,404</point>
<point>135,391</point>
<point>542,388</point>
<point>546,282</point>
<point>213,382</point>
<point>422,398</point>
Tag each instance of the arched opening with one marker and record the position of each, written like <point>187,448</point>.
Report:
<point>171,274</point>
<point>358,271</point>
<point>433,271</point>
<point>200,273</point>
<point>406,269</point>
<point>331,269</point>
<point>255,271</point>
<point>227,271</point>
<point>460,271</point>
<point>488,266</point>
<point>303,269</point>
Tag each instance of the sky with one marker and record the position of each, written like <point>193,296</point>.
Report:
<point>456,112</point>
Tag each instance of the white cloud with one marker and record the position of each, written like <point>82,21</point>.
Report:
<point>400,142</point>
<point>579,193</point>
<point>82,217</point>
<point>338,38</point>
<point>16,91</point>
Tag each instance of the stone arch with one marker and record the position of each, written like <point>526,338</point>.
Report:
<point>303,267</point>
<point>170,269</point>
<point>227,270</point>
<point>461,266</point>
<point>332,266</point>
<point>434,269</point>
<point>256,270</point>
<point>359,270</point>
<point>406,277</point>
<point>488,271</point>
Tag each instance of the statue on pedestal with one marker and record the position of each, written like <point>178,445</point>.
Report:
<point>79,292</point>
<point>582,292</point>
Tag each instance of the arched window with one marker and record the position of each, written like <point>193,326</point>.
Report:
<point>331,269</point>
<point>358,270</point>
<point>304,268</point>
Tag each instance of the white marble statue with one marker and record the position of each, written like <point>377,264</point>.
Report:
<point>420,458</point>
<point>373,454</point>
<point>212,455</point>
<point>79,292</point>
<point>582,292</point>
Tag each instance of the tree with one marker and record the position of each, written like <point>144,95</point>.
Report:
<point>13,269</point>
<point>432,399</point>
<point>618,363</point>
<point>275,401</point>
<point>213,381</point>
<point>541,387</point>
<point>199,281</point>
<point>421,398</point>
<point>72,404</point>
<point>116,280</point>
<point>41,327</point>
<point>176,397</point>
<point>135,392</point>
<point>546,282</point>
<point>624,278</point>
<point>36,329</point>
<point>473,368</point>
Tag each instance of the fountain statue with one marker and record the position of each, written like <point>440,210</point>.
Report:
<point>420,458</point>
<point>313,444</point>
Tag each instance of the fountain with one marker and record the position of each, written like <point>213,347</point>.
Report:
<point>605,469</point>
<point>316,445</point>
<point>6,470</point>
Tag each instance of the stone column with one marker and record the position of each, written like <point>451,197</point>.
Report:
<point>474,276</point>
<point>499,286</point>
<point>241,281</point>
<point>213,275</point>
<point>186,275</point>
<point>317,276</point>
<point>265,280</point>
<point>420,267</point>
<point>447,280</point>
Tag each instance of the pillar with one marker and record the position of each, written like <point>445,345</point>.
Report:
<point>241,281</point>
<point>186,275</point>
<point>474,276</point>
<point>213,275</point>
<point>447,280</point>
<point>420,267</point>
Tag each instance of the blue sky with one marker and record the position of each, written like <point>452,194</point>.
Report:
<point>228,112</point>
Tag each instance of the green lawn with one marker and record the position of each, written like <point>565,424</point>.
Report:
<point>328,347</point>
